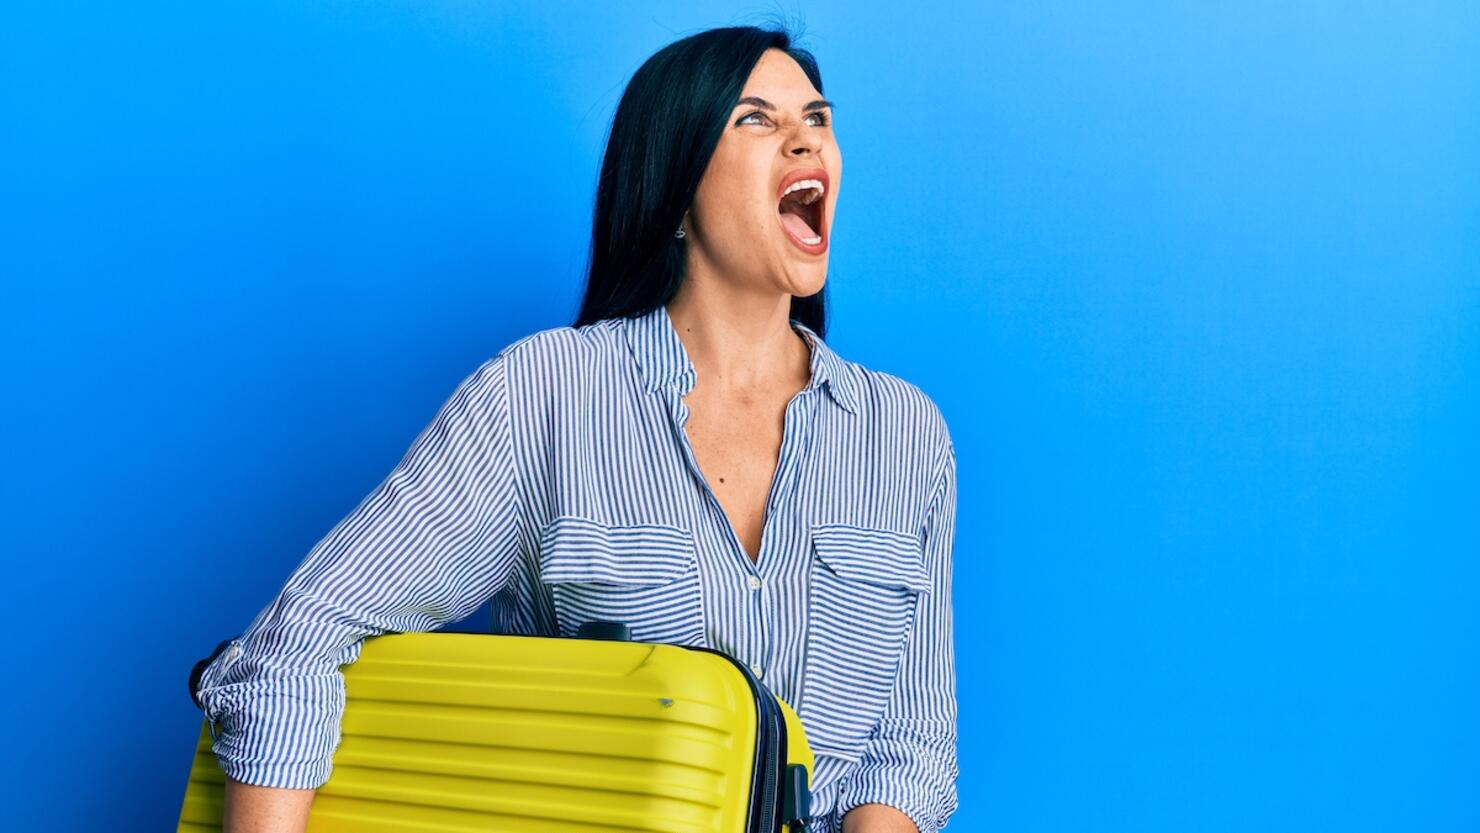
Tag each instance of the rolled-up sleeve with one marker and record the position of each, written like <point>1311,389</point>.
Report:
<point>910,760</point>
<point>431,543</point>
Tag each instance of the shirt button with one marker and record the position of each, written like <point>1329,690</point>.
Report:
<point>754,582</point>
<point>756,670</point>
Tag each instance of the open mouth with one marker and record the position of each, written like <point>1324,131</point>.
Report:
<point>801,209</point>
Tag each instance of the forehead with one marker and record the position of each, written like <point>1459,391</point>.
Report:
<point>778,77</point>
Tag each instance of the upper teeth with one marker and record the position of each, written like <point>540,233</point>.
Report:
<point>814,184</point>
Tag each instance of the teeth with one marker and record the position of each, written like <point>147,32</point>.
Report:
<point>814,184</point>
<point>812,241</point>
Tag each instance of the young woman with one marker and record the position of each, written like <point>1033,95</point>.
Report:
<point>690,457</point>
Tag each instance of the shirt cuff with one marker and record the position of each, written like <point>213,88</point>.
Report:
<point>909,771</point>
<point>276,733</point>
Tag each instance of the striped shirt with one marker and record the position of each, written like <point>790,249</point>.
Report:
<point>575,434</point>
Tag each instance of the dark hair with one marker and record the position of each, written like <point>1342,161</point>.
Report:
<point>666,127</point>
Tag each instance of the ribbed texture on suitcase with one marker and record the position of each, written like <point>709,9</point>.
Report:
<point>467,732</point>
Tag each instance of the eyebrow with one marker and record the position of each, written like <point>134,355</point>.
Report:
<point>766,105</point>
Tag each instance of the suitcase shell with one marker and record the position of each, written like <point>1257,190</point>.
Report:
<point>445,732</point>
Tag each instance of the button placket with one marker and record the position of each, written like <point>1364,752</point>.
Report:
<point>762,648</point>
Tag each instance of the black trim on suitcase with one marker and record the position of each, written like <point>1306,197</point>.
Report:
<point>772,797</point>
<point>779,793</point>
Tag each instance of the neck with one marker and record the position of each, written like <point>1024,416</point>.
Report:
<point>739,342</point>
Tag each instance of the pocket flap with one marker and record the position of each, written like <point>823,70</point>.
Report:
<point>882,557</point>
<point>575,549</point>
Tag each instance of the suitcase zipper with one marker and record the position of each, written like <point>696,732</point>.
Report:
<point>770,754</point>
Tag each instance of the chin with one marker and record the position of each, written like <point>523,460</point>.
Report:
<point>808,281</point>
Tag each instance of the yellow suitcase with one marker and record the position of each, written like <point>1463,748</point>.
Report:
<point>447,732</point>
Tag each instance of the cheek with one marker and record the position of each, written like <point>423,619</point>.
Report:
<point>733,198</point>
<point>738,210</point>
<point>727,166</point>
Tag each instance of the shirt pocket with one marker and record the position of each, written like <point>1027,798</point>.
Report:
<point>643,575</point>
<point>865,585</point>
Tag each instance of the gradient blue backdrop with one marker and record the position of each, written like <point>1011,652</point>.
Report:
<point>1198,291</point>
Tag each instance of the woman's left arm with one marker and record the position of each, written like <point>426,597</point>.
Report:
<point>909,764</point>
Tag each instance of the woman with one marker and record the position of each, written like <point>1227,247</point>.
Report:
<point>694,397</point>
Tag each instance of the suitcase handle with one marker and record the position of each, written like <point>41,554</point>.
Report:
<point>796,805</point>
<point>616,631</point>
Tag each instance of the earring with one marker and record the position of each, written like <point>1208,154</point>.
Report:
<point>679,233</point>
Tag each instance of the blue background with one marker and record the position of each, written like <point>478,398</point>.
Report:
<point>1198,291</point>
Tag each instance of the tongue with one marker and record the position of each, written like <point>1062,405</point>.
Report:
<point>796,225</point>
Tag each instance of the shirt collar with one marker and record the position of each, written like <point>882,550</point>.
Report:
<point>662,359</point>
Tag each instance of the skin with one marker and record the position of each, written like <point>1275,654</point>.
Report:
<point>732,317</point>
<point>253,809</point>
<point>732,312</point>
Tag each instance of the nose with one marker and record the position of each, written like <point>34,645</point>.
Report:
<point>804,140</point>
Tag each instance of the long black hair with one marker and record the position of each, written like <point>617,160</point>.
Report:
<point>667,125</point>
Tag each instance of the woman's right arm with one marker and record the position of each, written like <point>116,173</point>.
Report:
<point>437,538</point>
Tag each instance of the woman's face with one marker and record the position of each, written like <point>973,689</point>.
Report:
<point>778,134</point>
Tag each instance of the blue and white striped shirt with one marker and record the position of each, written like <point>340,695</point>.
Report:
<point>574,434</point>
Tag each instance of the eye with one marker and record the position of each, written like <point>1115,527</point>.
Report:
<point>821,117</point>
